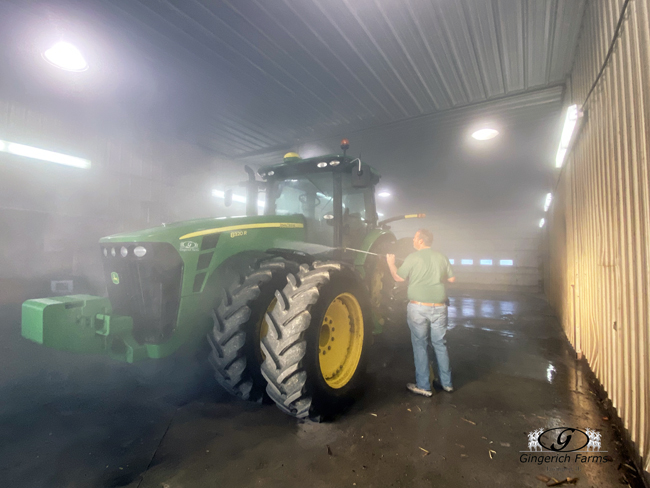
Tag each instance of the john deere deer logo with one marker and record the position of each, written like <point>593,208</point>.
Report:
<point>115,278</point>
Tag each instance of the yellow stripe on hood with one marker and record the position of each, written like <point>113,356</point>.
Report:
<point>268,225</point>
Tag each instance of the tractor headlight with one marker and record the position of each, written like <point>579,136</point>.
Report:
<point>140,251</point>
<point>105,252</point>
<point>113,251</point>
<point>322,164</point>
<point>334,163</point>
<point>124,251</point>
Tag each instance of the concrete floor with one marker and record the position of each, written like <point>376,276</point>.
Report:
<point>74,421</point>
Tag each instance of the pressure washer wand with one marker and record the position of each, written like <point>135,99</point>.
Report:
<point>367,252</point>
<point>364,252</point>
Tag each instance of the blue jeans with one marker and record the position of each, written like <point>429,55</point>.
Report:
<point>422,320</point>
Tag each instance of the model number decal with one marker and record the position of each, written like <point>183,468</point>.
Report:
<point>238,233</point>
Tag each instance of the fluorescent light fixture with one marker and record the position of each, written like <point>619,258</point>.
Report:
<point>506,262</point>
<point>222,194</point>
<point>567,133</point>
<point>547,202</point>
<point>451,261</point>
<point>541,222</point>
<point>486,262</point>
<point>485,134</point>
<point>43,155</point>
<point>65,56</point>
<point>466,261</point>
<point>236,198</point>
<point>383,194</point>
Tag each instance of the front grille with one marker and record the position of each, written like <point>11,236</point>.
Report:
<point>148,288</point>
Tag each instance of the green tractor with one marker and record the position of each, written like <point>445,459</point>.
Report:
<point>289,300</point>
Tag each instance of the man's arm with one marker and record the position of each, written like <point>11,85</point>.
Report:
<point>390,259</point>
<point>452,279</point>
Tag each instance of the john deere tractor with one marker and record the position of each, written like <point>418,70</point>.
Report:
<point>286,306</point>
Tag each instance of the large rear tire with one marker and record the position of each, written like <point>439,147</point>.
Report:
<point>316,346</point>
<point>238,317</point>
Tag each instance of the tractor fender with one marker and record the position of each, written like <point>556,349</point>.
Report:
<point>372,242</point>
<point>219,276</point>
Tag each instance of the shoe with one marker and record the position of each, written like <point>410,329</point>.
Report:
<point>448,389</point>
<point>418,391</point>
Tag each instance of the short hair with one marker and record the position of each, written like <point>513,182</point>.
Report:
<point>426,236</point>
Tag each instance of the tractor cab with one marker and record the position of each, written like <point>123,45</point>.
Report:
<point>334,193</point>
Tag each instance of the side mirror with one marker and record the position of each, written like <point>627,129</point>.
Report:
<point>227,198</point>
<point>361,176</point>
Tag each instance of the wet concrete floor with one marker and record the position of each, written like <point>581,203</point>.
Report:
<point>74,421</point>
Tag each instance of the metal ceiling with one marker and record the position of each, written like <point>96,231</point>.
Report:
<point>274,73</point>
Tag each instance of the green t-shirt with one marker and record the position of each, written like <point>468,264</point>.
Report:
<point>426,271</point>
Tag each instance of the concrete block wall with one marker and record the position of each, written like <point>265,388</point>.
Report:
<point>52,215</point>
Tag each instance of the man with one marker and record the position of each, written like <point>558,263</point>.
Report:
<point>426,271</point>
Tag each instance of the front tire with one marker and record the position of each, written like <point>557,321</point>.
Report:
<point>316,346</point>
<point>238,322</point>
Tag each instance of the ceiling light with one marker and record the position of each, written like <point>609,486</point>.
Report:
<point>541,222</point>
<point>236,198</point>
<point>547,203</point>
<point>66,56</point>
<point>383,194</point>
<point>222,194</point>
<point>43,155</point>
<point>485,134</point>
<point>567,133</point>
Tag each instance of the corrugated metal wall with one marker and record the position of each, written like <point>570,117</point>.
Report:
<point>598,234</point>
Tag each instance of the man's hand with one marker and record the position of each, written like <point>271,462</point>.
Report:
<point>390,259</point>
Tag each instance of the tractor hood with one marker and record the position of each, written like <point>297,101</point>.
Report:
<point>192,229</point>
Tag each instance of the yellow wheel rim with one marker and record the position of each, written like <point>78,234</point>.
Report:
<point>341,340</point>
